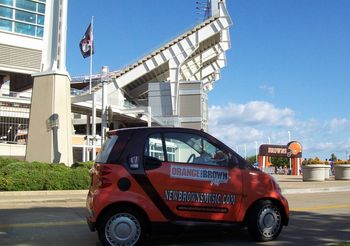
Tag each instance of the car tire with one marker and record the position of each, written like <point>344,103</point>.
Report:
<point>264,221</point>
<point>121,226</point>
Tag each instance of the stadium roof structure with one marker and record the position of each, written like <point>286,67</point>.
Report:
<point>196,55</point>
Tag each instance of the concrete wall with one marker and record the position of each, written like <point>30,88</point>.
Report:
<point>159,98</point>
<point>51,96</point>
<point>17,151</point>
<point>192,103</point>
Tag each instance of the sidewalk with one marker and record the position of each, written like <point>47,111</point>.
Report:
<point>52,197</point>
<point>289,185</point>
<point>295,185</point>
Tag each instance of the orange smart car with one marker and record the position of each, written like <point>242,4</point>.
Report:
<point>146,179</point>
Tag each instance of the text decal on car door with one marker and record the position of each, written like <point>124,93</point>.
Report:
<point>215,176</point>
<point>198,197</point>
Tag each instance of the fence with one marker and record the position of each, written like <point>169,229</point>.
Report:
<point>14,122</point>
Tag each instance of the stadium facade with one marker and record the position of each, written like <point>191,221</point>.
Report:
<point>167,87</point>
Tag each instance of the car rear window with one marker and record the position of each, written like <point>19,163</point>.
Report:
<point>107,147</point>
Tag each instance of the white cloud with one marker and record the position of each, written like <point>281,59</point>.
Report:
<point>337,125</point>
<point>240,125</point>
<point>252,114</point>
<point>269,89</point>
<point>243,124</point>
<point>320,147</point>
<point>233,135</point>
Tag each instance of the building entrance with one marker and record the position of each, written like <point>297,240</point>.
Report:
<point>293,151</point>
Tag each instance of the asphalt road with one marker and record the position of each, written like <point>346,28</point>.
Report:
<point>316,219</point>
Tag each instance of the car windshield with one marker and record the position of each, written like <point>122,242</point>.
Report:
<point>107,147</point>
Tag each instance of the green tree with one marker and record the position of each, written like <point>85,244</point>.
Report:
<point>251,159</point>
<point>333,157</point>
<point>280,161</point>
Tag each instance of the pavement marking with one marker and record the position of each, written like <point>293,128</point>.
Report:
<point>315,208</point>
<point>42,224</point>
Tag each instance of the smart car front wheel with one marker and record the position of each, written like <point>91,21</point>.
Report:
<point>265,221</point>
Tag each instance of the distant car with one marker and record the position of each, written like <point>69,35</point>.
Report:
<point>256,164</point>
<point>146,179</point>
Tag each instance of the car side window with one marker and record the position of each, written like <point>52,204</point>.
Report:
<point>193,148</point>
<point>154,147</point>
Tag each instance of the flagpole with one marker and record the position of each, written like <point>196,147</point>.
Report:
<point>93,130</point>
<point>92,29</point>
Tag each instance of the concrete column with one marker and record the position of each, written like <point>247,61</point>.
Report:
<point>50,126</point>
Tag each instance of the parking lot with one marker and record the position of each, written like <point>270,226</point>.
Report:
<point>319,216</point>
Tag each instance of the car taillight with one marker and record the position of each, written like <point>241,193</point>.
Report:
<point>104,170</point>
<point>104,182</point>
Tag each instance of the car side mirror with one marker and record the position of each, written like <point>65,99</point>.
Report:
<point>234,162</point>
<point>152,162</point>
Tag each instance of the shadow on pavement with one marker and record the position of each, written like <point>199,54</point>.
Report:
<point>66,226</point>
<point>305,228</point>
<point>45,226</point>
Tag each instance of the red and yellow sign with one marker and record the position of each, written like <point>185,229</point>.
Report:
<point>292,149</point>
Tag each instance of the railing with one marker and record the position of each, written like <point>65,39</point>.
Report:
<point>16,94</point>
<point>14,123</point>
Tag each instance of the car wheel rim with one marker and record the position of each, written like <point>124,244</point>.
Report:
<point>269,221</point>
<point>122,229</point>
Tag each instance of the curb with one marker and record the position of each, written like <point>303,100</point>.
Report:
<point>315,190</point>
<point>42,193</point>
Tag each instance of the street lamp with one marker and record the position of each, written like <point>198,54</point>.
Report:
<point>289,136</point>
<point>290,160</point>
<point>346,153</point>
<point>256,151</point>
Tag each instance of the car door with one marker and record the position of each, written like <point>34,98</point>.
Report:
<point>193,177</point>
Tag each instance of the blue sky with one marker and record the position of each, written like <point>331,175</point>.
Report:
<point>288,68</point>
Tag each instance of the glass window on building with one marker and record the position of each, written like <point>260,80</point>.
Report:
<point>6,2</point>
<point>6,12</point>
<point>26,4</point>
<point>41,8</point>
<point>40,20</point>
<point>5,25</point>
<point>25,16</point>
<point>39,31</point>
<point>26,29</point>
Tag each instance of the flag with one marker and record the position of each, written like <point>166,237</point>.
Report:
<point>87,43</point>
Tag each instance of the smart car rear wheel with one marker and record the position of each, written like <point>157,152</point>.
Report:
<point>265,221</point>
<point>121,227</point>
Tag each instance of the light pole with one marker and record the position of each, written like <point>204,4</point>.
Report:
<point>289,136</point>
<point>256,151</point>
<point>346,153</point>
<point>104,80</point>
<point>269,139</point>
<point>245,151</point>
<point>290,160</point>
